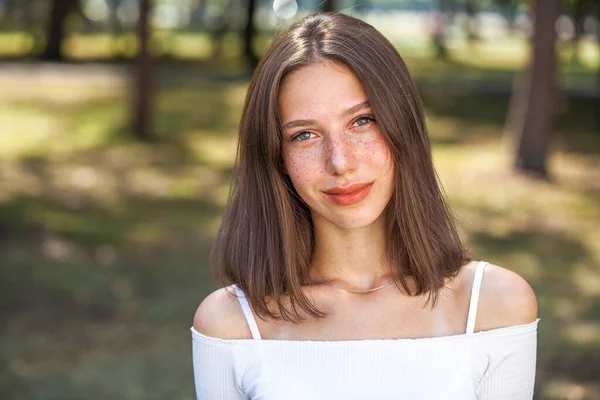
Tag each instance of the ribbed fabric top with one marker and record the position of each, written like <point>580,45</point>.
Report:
<point>494,364</point>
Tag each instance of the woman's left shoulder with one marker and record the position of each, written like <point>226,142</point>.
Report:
<point>505,299</point>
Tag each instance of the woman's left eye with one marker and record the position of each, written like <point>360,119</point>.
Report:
<point>363,121</point>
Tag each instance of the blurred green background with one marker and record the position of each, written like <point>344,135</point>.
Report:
<point>104,237</point>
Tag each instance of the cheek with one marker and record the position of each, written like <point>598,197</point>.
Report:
<point>377,153</point>
<point>302,167</point>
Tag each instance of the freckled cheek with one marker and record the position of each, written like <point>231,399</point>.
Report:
<point>302,167</point>
<point>377,153</point>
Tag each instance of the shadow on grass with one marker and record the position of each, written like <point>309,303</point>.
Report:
<point>483,117</point>
<point>105,243</point>
<point>104,252</point>
<point>552,259</point>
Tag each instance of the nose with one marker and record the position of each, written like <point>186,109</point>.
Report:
<point>341,155</point>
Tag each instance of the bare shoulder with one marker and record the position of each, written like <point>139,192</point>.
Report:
<point>505,299</point>
<point>220,315</point>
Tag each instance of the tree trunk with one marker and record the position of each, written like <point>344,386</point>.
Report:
<point>143,75</point>
<point>28,18</point>
<point>55,32</point>
<point>249,33</point>
<point>328,5</point>
<point>116,30</point>
<point>538,93</point>
<point>597,102</point>
<point>472,27</point>
<point>438,35</point>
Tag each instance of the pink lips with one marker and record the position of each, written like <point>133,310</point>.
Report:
<point>348,195</point>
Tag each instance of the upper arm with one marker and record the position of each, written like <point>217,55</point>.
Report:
<point>505,299</point>
<point>220,315</point>
<point>215,361</point>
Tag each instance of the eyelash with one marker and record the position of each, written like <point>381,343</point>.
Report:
<point>369,119</point>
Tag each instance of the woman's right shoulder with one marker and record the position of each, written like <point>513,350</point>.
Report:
<point>220,316</point>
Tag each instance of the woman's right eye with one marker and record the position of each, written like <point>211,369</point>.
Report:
<point>302,136</point>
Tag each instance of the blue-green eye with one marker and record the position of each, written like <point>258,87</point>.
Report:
<point>302,136</point>
<point>363,121</point>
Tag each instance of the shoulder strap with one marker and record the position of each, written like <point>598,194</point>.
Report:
<point>475,296</point>
<point>247,312</point>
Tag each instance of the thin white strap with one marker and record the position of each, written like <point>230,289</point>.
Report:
<point>475,296</point>
<point>247,312</point>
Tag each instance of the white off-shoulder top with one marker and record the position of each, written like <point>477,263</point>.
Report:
<point>494,364</point>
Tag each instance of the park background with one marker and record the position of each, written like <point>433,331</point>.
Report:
<point>118,127</point>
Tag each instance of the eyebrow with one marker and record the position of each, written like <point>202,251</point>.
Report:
<point>305,122</point>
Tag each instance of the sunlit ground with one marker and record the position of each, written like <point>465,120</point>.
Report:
<point>104,241</point>
<point>503,54</point>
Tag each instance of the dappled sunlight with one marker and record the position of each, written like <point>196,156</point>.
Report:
<point>545,230</point>
<point>100,46</point>
<point>56,249</point>
<point>212,150</point>
<point>586,333</point>
<point>445,130</point>
<point>192,46</point>
<point>568,390</point>
<point>114,234</point>
<point>529,266</point>
<point>221,193</point>
<point>17,180</point>
<point>16,43</point>
<point>509,53</point>
<point>564,308</point>
<point>479,176</point>
<point>148,235</point>
<point>587,279</point>
<point>45,128</point>
<point>150,182</point>
<point>589,54</point>
<point>31,126</point>
<point>52,88</point>
<point>54,136</point>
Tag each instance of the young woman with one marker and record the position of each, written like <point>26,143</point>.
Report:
<point>344,276</point>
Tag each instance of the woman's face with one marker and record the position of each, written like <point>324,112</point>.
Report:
<point>333,150</point>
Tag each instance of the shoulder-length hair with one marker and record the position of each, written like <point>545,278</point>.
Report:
<point>265,241</point>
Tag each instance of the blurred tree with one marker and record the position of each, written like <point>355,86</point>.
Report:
<point>583,9</point>
<point>597,103</point>
<point>438,25</point>
<point>580,10</point>
<point>28,23</point>
<point>533,104</point>
<point>328,5</point>
<point>249,34</point>
<point>219,24</point>
<point>116,29</point>
<point>55,33</point>
<point>472,28</point>
<point>143,75</point>
<point>10,10</point>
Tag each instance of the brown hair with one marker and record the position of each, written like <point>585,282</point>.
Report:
<point>265,241</point>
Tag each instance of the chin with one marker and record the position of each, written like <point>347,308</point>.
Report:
<point>351,220</point>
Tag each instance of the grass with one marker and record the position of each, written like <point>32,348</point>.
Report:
<point>104,241</point>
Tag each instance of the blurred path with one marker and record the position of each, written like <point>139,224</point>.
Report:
<point>105,74</point>
<point>100,74</point>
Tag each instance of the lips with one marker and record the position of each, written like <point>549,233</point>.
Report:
<point>350,194</point>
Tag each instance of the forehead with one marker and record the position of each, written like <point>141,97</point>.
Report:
<point>326,88</point>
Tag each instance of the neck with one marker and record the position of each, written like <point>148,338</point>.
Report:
<point>354,259</point>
